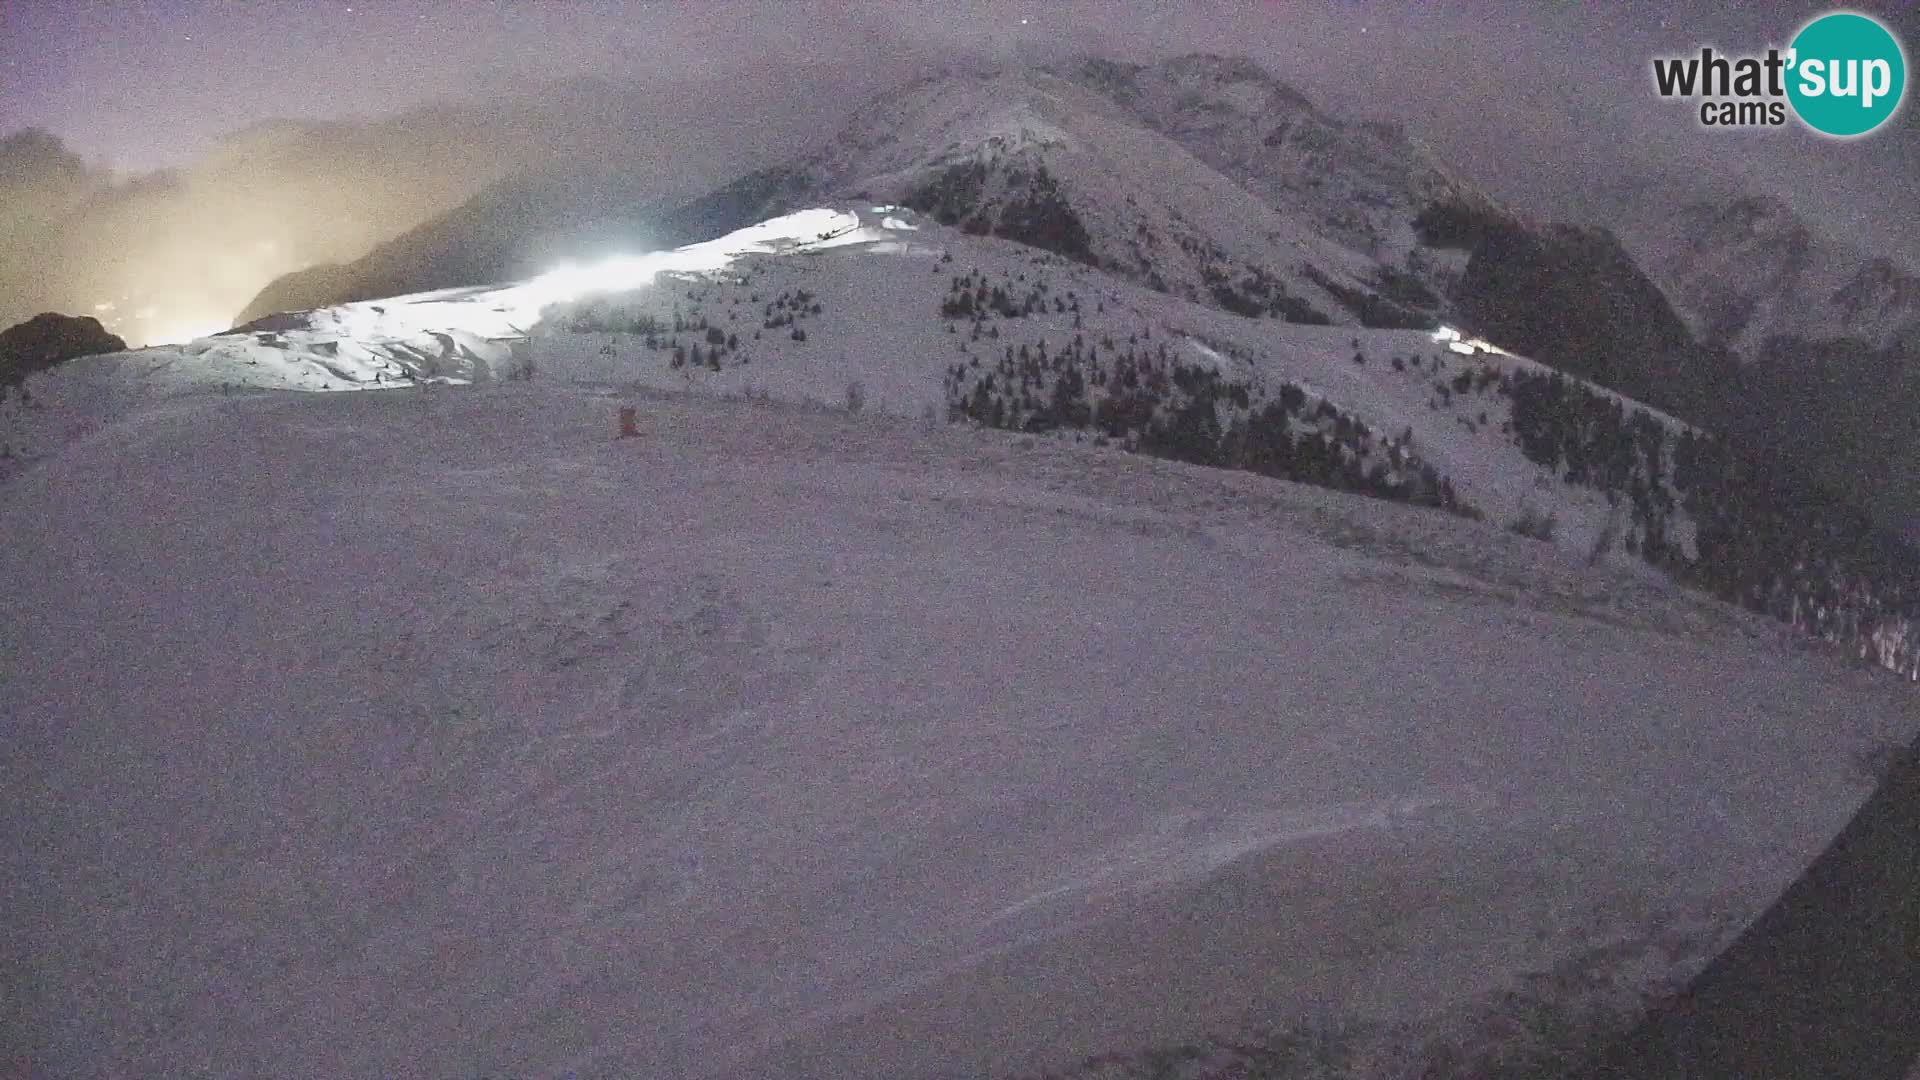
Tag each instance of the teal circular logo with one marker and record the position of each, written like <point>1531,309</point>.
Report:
<point>1847,74</point>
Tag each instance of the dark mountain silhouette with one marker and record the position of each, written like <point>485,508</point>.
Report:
<point>1826,983</point>
<point>48,339</point>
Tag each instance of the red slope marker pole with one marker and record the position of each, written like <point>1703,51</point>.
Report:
<point>629,425</point>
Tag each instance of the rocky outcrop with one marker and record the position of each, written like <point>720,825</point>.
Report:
<point>48,339</point>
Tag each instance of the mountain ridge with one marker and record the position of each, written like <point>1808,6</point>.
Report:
<point>861,303</point>
<point>1098,143</point>
<point>1207,178</point>
<point>1748,271</point>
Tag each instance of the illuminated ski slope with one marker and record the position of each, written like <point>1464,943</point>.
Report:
<point>463,335</point>
<point>447,337</point>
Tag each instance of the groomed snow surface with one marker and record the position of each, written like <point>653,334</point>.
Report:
<point>442,734</point>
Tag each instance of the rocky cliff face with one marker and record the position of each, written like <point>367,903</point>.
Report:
<point>1748,271</point>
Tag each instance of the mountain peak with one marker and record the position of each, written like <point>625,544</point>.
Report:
<point>1748,269</point>
<point>1202,176</point>
<point>1228,69</point>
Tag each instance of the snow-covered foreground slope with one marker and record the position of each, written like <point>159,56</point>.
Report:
<point>446,735</point>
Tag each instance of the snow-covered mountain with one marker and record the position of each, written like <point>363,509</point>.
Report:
<point>1364,184</point>
<point>1310,221</point>
<point>880,703</point>
<point>441,730</point>
<point>918,320</point>
<point>874,306</point>
<point>859,641</point>
<point>1202,177</point>
<point>1210,180</point>
<point>1814,347</point>
<point>925,320</point>
<point>1747,271</point>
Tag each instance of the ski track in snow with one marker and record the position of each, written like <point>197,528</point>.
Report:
<point>444,734</point>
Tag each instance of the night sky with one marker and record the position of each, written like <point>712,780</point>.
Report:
<point>1533,101</point>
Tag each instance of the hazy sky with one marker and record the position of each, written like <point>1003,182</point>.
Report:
<point>1533,100</point>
